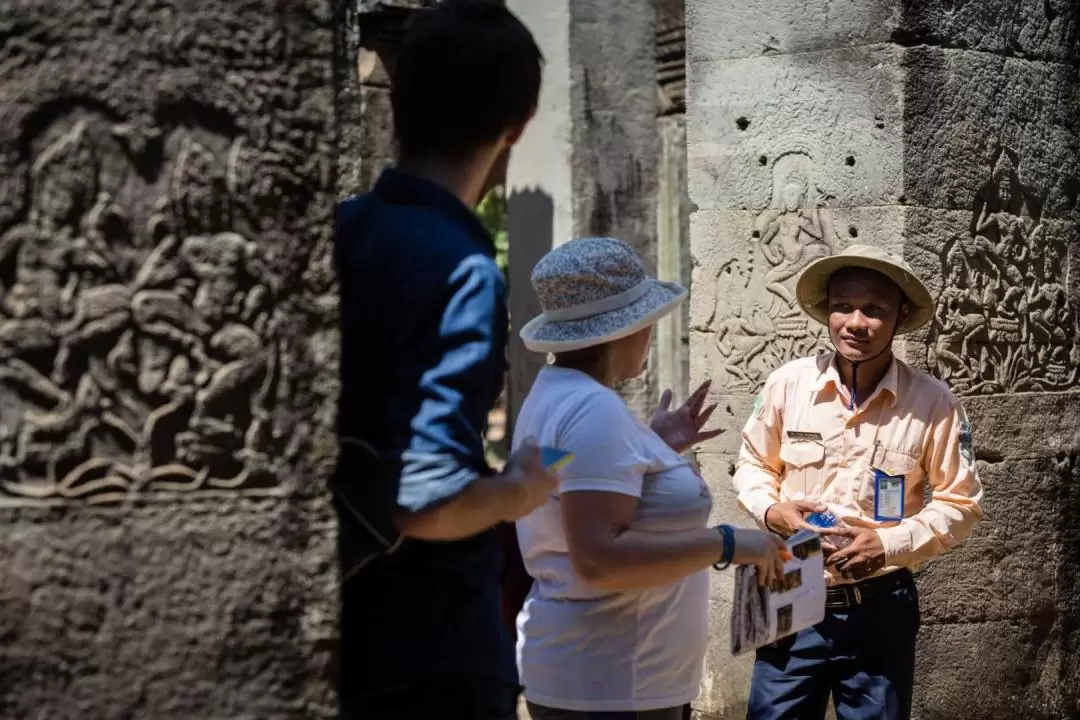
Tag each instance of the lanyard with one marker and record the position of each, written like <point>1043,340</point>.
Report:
<point>854,384</point>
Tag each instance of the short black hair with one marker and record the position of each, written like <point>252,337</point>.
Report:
<point>468,71</point>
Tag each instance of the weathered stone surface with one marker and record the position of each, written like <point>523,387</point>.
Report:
<point>588,163</point>
<point>208,607</point>
<point>1034,29</point>
<point>834,119</point>
<point>962,109</point>
<point>671,349</point>
<point>1003,669</point>
<point>753,111</point>
<point>167,357</point>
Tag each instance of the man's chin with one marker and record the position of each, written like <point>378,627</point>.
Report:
<point>855,352</point>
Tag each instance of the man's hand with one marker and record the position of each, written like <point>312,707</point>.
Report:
<point>530,482</point>
<point>787,518</point>
<point>862,558</point>
<point>681,428</point>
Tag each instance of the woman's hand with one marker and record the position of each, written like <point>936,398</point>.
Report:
<point>763,549</point>
<point>681,428</point>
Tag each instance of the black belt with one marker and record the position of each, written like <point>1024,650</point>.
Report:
<point>864,591</point>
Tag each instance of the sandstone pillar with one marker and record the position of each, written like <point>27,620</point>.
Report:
<point>945,131</point>
<point>588,163</point>
<point>167,358</point>
<point>671,360</point>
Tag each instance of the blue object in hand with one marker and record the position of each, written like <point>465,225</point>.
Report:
<point>825,519</point>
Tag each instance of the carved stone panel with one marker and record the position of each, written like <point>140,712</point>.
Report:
<point>141,327</point>
<point>168,357</point>
<point>756,323</point>
<point>1005,321</point>
<point>158,256</point>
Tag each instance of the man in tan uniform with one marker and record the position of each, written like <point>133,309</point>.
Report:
<point>864,435</point>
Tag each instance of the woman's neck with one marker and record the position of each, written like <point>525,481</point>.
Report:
<point>599,373</point>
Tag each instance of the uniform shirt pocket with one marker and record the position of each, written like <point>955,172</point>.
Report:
<point>804,461</point>
<point>893,462</point>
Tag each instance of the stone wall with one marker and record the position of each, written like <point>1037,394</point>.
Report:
<point>947,132</point>
<point>167,345</point>
<point>588,163</point>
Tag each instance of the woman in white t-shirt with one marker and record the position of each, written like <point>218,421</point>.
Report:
<point>615,624</point>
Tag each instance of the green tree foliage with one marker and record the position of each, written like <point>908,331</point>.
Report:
<point>492,212</point>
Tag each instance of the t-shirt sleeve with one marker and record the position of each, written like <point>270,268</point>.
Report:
<point>610,454</point>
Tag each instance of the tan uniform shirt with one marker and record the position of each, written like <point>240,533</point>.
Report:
<point>803,442</point>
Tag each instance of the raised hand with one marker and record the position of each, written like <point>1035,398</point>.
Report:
<point>682,428</point>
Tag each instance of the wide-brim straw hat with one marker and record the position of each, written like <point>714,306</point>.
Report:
<point>812,289</point>
<point>593,291</point>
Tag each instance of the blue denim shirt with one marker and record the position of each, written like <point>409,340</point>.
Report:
<point>423,356</point>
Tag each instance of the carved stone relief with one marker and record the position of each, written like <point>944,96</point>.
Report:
<point>1004,321</point>
<point>140,340</point>
<point>757,323</point>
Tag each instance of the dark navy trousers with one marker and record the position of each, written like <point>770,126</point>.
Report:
<point>863,656</point>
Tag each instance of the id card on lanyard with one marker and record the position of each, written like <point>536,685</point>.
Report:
<point>888,496</point>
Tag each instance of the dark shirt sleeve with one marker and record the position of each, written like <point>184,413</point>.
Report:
<point>459,376</point>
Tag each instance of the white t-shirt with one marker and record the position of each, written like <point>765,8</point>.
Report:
<point>580,648</point>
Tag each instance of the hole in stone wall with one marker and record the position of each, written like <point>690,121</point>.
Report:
<point>853,231</point>
<point>742,123</point>
<point>763,161</point>
<point>850,161</point>
<point>755,234</point>
<point>947,5</point>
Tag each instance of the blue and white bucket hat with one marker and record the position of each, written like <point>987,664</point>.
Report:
<point>593,291</point>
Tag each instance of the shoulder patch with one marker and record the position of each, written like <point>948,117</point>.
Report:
<point>966,448</point>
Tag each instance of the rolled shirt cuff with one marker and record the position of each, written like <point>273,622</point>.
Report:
<point>897,543</point>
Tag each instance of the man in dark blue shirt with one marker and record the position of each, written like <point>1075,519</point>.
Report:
<point>424,325</point>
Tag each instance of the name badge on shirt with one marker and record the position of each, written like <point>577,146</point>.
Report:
<point>888,496</point>
<point>801,436</point>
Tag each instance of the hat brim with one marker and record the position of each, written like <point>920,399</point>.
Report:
<point>543,335</point>
<point>812,289</point>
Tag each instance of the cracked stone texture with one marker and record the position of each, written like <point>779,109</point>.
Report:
<point>167,356</point>
<point>946,132</point>
<point>1033,29</point>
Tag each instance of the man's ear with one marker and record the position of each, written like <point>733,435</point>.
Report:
<point>905,311</point>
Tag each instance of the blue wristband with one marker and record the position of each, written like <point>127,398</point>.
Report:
<point>728,533</point>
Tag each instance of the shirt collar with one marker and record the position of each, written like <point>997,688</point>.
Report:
<point>401,188</point>
<point>830,375</point>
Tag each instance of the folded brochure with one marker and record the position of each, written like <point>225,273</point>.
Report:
<point>763,615</point>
